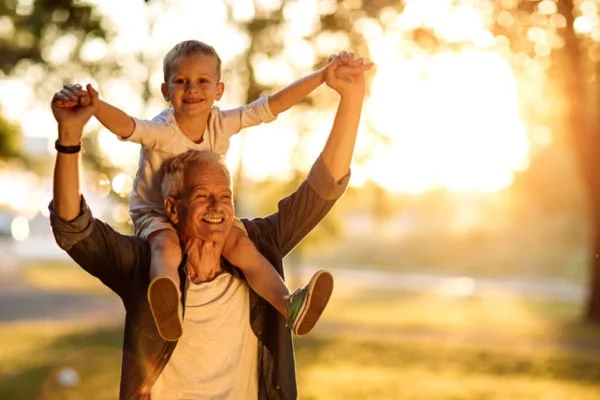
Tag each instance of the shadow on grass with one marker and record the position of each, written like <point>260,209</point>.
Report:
<point>81,365</point>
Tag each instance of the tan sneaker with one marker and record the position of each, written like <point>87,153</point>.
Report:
<point>163,297</point>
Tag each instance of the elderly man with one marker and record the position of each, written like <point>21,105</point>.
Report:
<point>235,345</point>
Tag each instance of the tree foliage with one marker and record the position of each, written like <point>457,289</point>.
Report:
<point>34,26</point>
<point>29,34</point>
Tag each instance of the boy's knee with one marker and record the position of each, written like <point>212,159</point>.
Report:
<point>238,241</point>
<point>164,240</point>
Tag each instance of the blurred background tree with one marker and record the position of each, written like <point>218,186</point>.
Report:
<point>549,34</point>
<point>29,31</point>
<point>9,140</point>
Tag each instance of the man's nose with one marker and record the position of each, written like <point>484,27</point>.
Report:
<point>212,201</point>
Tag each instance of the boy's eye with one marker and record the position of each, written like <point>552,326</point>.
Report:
<point>178,81</point>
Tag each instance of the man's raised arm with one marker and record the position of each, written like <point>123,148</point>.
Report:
<point>301,211</point>
<point>71,120</point>
<point>349,82</point>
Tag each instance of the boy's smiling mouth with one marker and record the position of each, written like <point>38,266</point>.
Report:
<point>192,101</point>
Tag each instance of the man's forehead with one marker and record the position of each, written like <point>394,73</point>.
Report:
<point>206,174</point>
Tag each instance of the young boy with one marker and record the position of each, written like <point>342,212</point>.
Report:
<point>192,83</point>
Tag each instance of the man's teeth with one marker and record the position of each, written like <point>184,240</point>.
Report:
<point>213,220</point>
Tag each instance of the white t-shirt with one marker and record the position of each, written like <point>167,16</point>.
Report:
<point>162,139</point>
<point>216,357</point>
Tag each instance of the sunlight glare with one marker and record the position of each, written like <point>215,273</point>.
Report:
<point>19,228</point>
<point>452,121</point>
<point>122,184</point>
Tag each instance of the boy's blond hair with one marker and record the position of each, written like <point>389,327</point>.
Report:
<point>186,48</point>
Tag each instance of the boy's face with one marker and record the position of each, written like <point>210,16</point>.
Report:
<point>193,84</point>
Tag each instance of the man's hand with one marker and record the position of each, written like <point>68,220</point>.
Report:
<point>346,74</point>
<point>72,108</point>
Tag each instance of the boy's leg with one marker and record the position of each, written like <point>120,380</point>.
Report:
<point>303,308</point>
<point>260,274</point>
<point>163,292</point>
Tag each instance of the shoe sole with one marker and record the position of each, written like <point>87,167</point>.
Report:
<point>163,297</point>
<point>319,292</point>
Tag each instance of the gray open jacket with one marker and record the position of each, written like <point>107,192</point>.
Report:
<point>122,263</point>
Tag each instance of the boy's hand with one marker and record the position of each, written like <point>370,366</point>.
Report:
<point>348,58</point>
<point>346,74</point>
<point>204,260</point>
<point>72,95</point>
<point>72,107</point>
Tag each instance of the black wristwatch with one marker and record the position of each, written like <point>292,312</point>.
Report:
<point>67,149</point>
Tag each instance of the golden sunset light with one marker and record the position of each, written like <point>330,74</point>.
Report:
<point>440,242</point>
<point>451,117</point>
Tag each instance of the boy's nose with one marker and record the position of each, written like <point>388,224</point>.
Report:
<point>191,87</point>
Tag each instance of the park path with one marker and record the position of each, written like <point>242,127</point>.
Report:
<point>21,302</point>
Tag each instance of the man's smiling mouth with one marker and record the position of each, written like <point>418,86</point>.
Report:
<point>213,218</point>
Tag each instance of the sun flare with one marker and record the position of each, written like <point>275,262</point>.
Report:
<point>452,122</point>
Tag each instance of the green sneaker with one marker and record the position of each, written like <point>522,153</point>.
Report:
<point>163,297</point>
<point>306,304</point>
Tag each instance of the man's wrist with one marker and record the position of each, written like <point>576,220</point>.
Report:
<point>69,136</point>
<point>352,96</point>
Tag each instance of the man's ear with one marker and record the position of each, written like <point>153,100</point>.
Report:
<point>171,210</point>
<point>220,90</point>
<point>165,91</point>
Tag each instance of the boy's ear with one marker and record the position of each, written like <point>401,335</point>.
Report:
<point>220,90</point>
<point>165,91</point>
<point>171,210</point>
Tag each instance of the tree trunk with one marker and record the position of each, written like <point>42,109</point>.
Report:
<point>582,124</point>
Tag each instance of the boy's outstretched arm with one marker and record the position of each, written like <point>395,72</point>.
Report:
<point>295,92</point>
<point>113,119</point>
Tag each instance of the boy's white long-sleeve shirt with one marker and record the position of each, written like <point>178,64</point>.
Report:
<point>162,139</point>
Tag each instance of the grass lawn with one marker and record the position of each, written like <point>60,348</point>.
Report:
<point>370,345</point>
